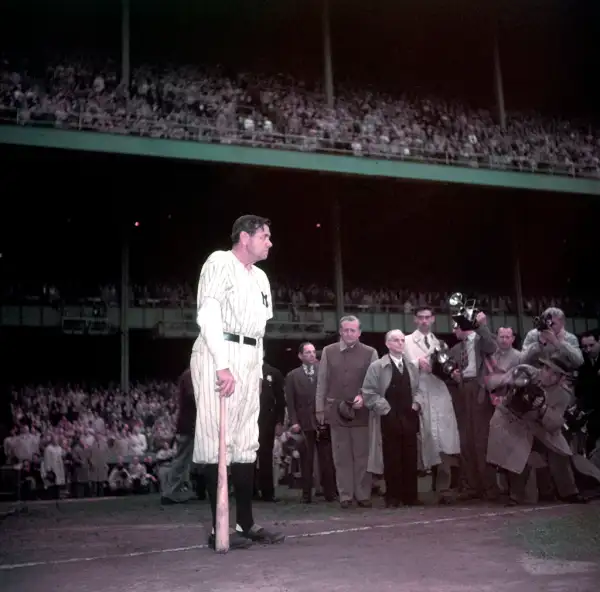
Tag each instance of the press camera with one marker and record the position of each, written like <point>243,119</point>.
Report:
<point>463,312</point>
<point>524,394</point>
<point>576,419</point>
<point>542,322</point>
<point>442,365</point>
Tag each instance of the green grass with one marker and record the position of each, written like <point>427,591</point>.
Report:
<point>569,538</point>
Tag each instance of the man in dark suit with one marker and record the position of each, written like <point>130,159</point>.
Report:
<point>270,424</point>
<point>587,387</point>
<point>474,408</point>
<point>300,392</point>
<point>184,439</point>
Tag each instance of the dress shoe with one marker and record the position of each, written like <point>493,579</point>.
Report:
<point>257,534</point>
<point>271,499</point>
<point>413,503</point>
<point>446,500</point>
<point>236,541</point>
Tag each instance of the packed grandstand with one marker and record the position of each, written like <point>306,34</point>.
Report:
<point>206,105</point>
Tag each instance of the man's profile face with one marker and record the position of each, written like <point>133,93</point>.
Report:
<point>548,377</point>
<point>258,244</point>
<point>350,332</point>
<point>459,333</point>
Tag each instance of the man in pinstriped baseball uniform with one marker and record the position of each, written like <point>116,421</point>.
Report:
<point>234,305</point>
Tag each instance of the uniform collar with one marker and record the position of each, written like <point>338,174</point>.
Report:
<point>343,346</point>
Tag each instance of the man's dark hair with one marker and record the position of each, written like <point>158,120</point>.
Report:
<point>250,224</point>
<point>302,346</point>
<point>423,308</point>
<point>595,333</point>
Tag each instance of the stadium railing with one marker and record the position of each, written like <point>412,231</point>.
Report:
<point>210,133</point>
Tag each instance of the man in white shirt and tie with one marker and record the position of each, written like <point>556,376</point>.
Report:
<point>474,409</point>
<point>437,414</point>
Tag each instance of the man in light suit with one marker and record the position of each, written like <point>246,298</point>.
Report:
<point>391,391</point>
<point>437,413</point>
<point>474,409</point>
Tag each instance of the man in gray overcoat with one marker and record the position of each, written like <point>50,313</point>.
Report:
<point>392,393</point>
<point>339,403</point>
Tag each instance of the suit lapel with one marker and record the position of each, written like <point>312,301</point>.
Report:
<point>418,339</point>
<point>408,367</point>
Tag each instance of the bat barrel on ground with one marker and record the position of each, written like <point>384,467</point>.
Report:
<point>222,520</point>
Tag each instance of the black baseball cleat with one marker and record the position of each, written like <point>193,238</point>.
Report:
<point>257,534</point>
<point>236,541</point>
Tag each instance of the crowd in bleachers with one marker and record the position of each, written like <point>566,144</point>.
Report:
<point>287,296</point>
<point>202,104</point>
<point>80,441</point>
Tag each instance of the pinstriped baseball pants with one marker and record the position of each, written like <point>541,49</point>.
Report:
<point>242,407</point>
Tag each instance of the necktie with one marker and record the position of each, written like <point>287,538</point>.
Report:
<point>464,356</point>
<point>426,342</point>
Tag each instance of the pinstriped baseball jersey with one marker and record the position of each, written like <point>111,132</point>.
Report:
<point>233,299</point>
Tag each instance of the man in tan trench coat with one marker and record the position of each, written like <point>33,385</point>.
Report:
<point>513,438</point>
<point>438,419</point>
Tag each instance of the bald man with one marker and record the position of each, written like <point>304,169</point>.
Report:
<point>501,362</point>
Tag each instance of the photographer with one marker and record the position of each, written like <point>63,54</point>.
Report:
<point>119,480</point>
<point>530,419</point>
<point>473,407</point>
<point>549,337</point>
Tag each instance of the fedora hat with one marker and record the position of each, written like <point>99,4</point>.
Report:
<point>557,363</point>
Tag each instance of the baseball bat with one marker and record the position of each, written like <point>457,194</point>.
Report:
<point>222,521</point>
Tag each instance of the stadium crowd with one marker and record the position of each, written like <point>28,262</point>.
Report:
<point>82,441</point>
<point>293,297</point>
<point>79,441</point>
<point>208,105</point>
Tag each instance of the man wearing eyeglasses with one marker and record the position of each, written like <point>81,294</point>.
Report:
<point>437,411</point>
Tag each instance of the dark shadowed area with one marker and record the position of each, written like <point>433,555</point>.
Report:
<point>80,208</point>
